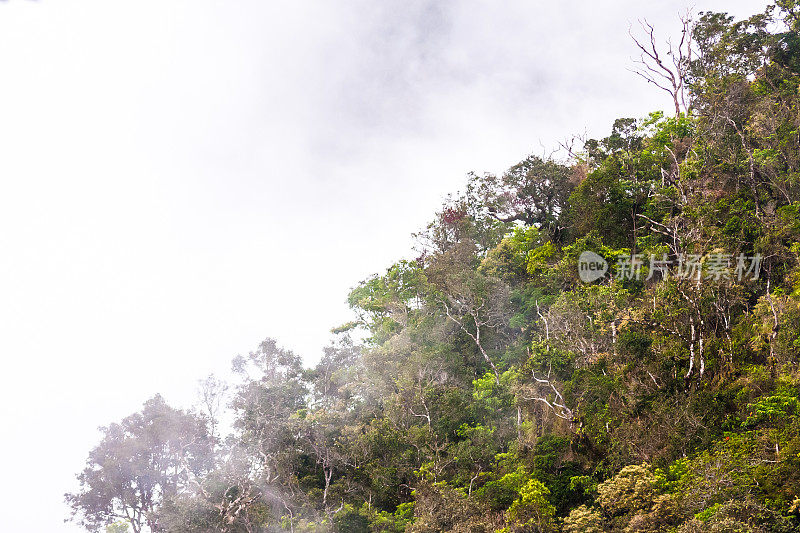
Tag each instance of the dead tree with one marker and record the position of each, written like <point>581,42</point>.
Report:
<point>480,321</point>
<point>556,405</point>
<point>668,68</point>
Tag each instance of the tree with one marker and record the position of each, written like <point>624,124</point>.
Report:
<point>535,192</point>
<point>326,428</point>
<point>272,392</point>
<point>478,304</point>
<point>212,392</point>
<point>632,489</point>
<point>532,510</point>
<point>666,69</point>
<point>148,457</point>
<point>229,499</point>
<point>583,520</point>
<point>440,507</point>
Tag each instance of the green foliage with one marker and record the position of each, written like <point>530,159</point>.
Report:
<point>348,520</point>
<point>583,520</point>
<point>532,509</point>
<point>583,484</point>
<point>499,494</point>
<point>777,409</point>
<point>117,527</point>
<point>382,300</point>
<point>706,514</point>
<point>631,490</point>
<point>744,515</point>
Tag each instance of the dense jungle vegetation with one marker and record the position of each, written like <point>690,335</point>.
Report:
<point>484,387</point>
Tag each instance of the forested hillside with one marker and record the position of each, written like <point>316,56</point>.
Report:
<point>505,380</point>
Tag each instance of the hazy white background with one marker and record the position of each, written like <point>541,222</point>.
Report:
<point>180,179</point>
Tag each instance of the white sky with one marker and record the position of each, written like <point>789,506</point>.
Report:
<point>180,179</point>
